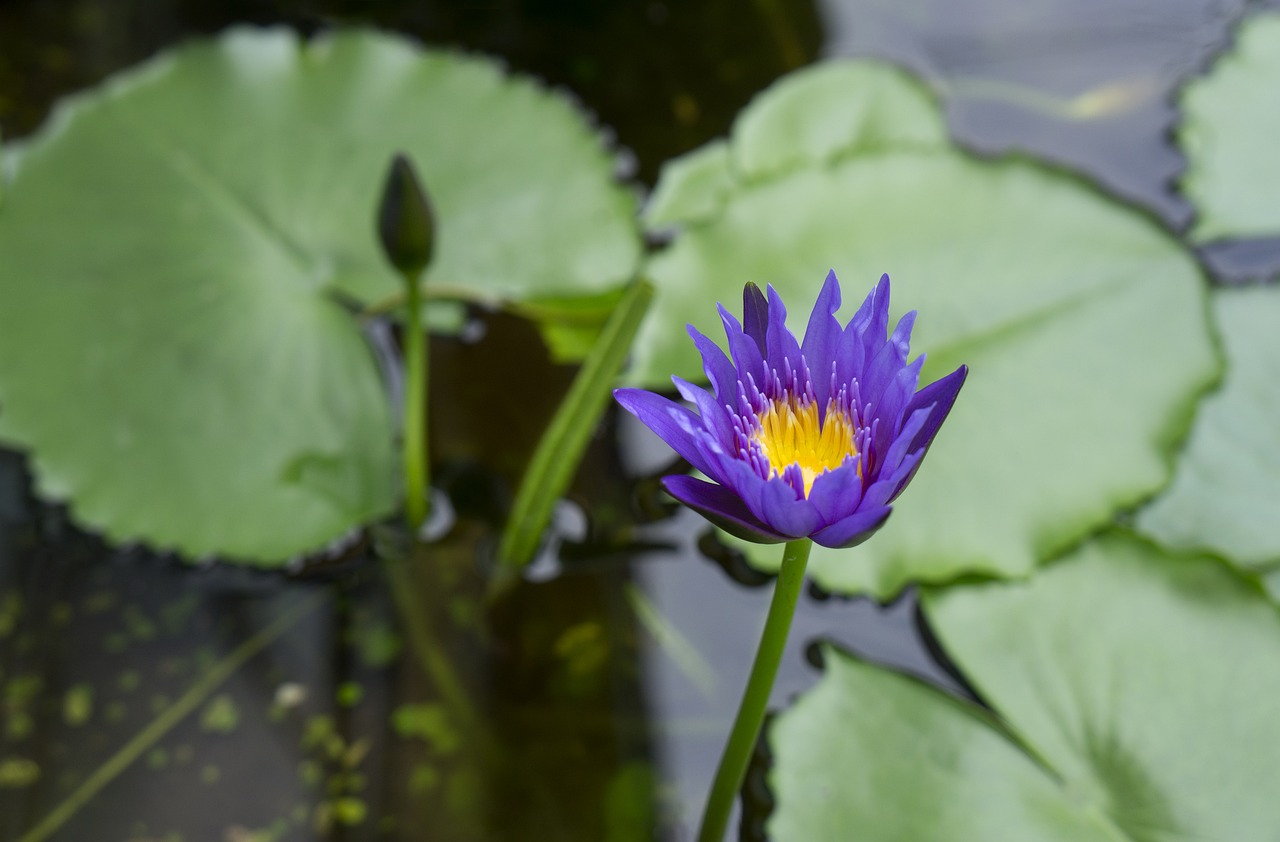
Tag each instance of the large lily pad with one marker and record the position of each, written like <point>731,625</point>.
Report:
<point>1225,494</point>
<point>1231,119</point>
<point>826,112</point>
<point>1082,322</point>
<point>182,247</point>
<point>1133,700</point>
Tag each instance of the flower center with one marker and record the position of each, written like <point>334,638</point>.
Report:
<point>791,434</point>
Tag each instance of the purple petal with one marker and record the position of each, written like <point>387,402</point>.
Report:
<point>822,338</point>
<point>890,484</point>
<point>674,424</point>
<point>901,446</point>
<point>854,529</point>
<point>746,355</point>
<point>905,473</point>
<point>782,350</point>
<point>901,338</point>
<point>836,493</point>
<point>722,507</point>
<point>715,364</point>
<point>852,355</point>
<point>891,405</point>
<point>942,394</point>
<point>755,315</point>
<point>880,371</point>
<point>784,511</point>
<point>876,326</point>
<point>715,418</point>
<point>862,318</point>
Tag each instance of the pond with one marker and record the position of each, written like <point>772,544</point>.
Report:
<point>385,688</point>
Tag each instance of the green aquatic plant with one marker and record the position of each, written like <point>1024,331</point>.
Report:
<point>803,443</point>
<point>407,228</point>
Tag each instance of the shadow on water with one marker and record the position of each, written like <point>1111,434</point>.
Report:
<point>370,695</point>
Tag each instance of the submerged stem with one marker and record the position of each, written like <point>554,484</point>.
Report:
<point>435,662</point>
<point>755,699</point>
<point>165,721</point>
<point>415,415</point>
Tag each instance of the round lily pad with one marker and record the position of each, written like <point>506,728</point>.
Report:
<point>1131,700</point>
<point>1082,322</point>
<point>1231,118</point>
<point>1226,489</point>
<point>185,247</point>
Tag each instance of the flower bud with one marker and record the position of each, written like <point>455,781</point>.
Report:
<point>406,223</point>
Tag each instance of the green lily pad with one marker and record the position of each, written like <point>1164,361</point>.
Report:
<point>1226,489</point>
<point>823,113</point>
<point>1082,322</point>
<point>1133,700</point>
<point>184,248</point>
<point>1231,119</point>
<point>693,187</point>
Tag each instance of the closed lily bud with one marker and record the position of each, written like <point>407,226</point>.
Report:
<point>406,223</point>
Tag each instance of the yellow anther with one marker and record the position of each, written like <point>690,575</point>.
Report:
<point>790,434</point>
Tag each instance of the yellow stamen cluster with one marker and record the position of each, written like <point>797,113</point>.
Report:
<point>790,434</point>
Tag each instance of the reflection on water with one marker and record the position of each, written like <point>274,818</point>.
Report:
<point>371,696</point>
<point>590,706</point>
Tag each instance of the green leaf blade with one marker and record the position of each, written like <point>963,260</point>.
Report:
<point>1131,700</point>
<point>869,754</point>
<point>1125,662</point>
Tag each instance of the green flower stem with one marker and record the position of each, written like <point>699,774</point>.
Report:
<point>415,415</point>
<point>168,718</point>
<point>755,699</point>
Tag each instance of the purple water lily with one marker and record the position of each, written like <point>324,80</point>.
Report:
<point>802,440</point>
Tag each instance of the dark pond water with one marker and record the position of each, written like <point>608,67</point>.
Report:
<point>142,698</point>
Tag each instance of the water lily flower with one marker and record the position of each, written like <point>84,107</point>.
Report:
<point>811,439</point>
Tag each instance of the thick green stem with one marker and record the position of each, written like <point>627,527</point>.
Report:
<point>415,414</point>
<point>755,699</point>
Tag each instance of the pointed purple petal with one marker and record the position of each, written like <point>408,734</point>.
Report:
<point>874,330</point>
<point>880,371</point>
<point>715,364</point>
<point>836,494</point>
<point>862,317</point>
<point>890,406</point>
<point>722,507</point>
<point>942,394</point>
<point>852,356</point>
<point>782,351</point>
<point>747,358</point>
<point>901,338</point>
<point>901,446</point>
<point>673,423</point>
<point>854,529</point>
<point>822,338</point>
<point>905,473</point>
<point>714,416</point>
<point>755,315</point>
